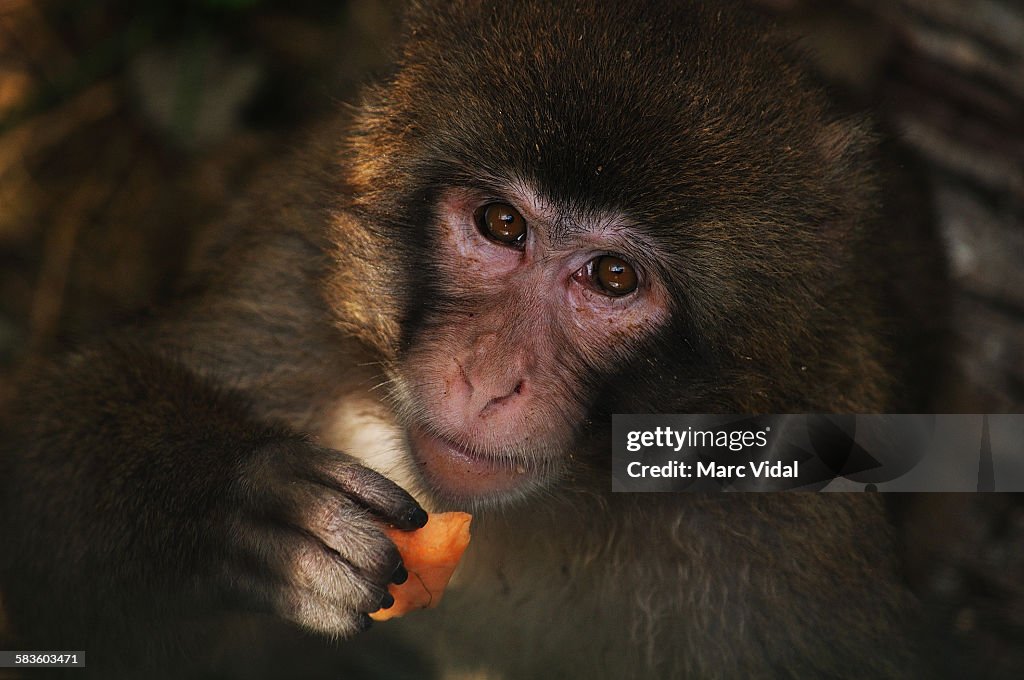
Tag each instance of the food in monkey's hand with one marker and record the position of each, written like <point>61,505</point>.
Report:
<point>430,555</point>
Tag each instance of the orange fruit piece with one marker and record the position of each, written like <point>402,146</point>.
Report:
<point>430,555</point>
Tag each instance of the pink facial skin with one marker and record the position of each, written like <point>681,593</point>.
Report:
<point>501,379</point>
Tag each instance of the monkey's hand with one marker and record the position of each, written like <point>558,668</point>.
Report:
<point>307,539</point>
<point>138,499</point>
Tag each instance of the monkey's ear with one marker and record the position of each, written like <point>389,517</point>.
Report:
<point>841,138</point>
<point>845,142</point>
<point>846,149</point>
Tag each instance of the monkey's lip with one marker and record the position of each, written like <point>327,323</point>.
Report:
<point>461,473</point>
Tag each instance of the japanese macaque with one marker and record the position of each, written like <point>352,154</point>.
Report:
<point>548,213</point>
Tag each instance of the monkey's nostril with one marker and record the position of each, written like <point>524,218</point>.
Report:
<point>495,402</point>
<point>518,389</point>
<point>465,377</point>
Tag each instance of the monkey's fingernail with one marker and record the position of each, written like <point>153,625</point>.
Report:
<point>400,576</point>
<point>417,517</point>
<point>387,601</point>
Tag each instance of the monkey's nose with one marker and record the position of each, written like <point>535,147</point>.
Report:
<point>489,387</point>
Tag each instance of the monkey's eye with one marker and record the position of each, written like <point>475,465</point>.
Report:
<point>502,223</point>
<point>611,275</point>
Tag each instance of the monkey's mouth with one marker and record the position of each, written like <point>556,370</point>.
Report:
<point>460,473</point>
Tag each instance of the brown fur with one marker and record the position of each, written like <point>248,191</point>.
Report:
<point>792,287</point>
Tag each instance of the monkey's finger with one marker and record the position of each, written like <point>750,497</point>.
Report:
<point>374,491</point>
<point>306,609</point>
<point>341,525</point>
<point>278,558</point>
<point>333,578</point>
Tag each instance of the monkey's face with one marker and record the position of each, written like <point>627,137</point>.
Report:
<point>580,213</point>
<point>528,303</point>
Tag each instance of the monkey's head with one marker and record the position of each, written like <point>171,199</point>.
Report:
<point>583,208</point>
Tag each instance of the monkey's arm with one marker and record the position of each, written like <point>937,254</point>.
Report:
<point>149,480</point>
<point>137,494</point>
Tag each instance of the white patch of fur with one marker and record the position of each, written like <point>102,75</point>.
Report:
<point>365,429</point>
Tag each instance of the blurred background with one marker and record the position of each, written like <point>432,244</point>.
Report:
<point>127,127</point>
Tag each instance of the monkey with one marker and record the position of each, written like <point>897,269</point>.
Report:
<point>546,213</point>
